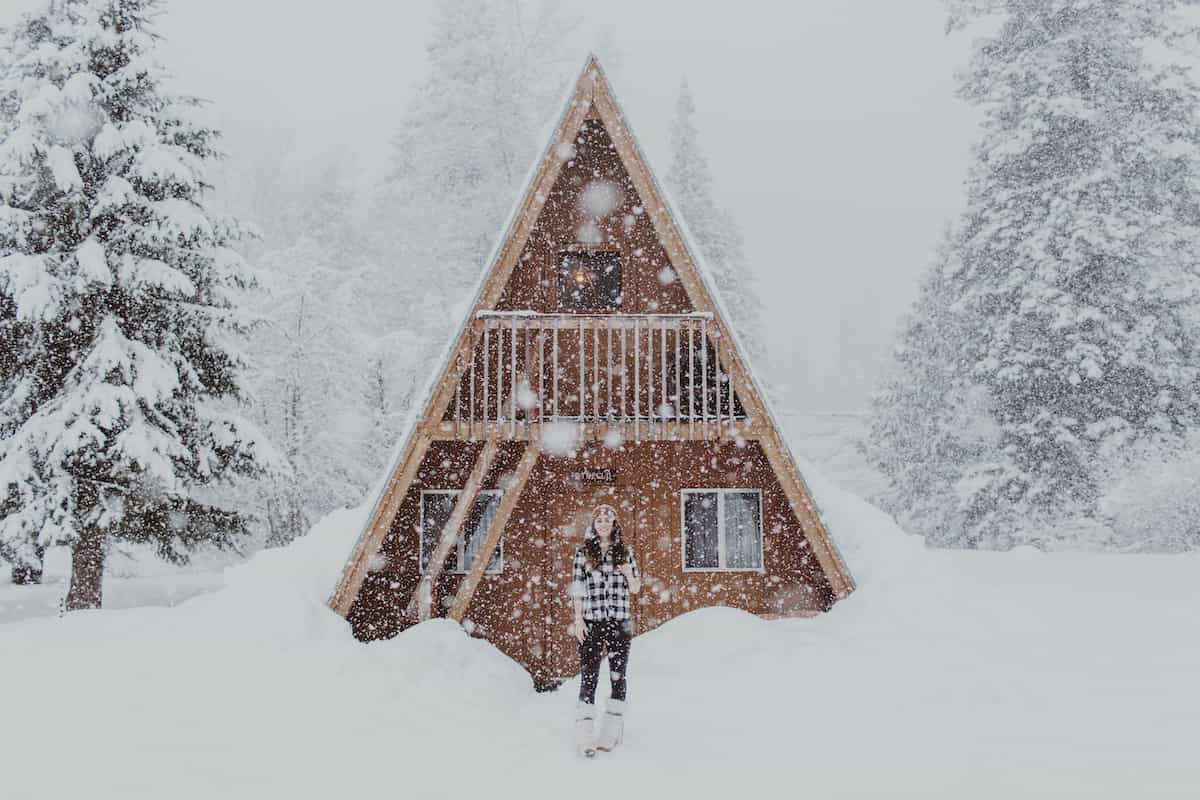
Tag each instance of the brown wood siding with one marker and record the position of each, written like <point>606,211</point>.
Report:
<point>628,229</point>
<point>525,611</point>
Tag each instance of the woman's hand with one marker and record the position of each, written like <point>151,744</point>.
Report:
<point>634,583</point>
<point>580,629</point>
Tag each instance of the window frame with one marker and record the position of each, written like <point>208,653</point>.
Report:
<point>720,492</point>
<point>586,251</point>
<point>460,545</point>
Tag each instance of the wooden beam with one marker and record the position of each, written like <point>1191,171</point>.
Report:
<point>512,493</point>
<point>380,522</point>
<point>465,502</point>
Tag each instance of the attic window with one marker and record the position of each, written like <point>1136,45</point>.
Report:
<point>589,280</point>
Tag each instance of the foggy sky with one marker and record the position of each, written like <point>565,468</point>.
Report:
<point>831,128</point>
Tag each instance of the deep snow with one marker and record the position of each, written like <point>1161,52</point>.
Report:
<point>948,674</point>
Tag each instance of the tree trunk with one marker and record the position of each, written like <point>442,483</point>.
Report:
<point>87,571</point>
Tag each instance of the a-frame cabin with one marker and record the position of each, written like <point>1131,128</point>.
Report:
<point>595,363</point>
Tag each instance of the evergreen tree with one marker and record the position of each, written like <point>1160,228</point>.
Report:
<point>117,301</point>
<point>713,228</point>
<point>464,146</point>
<point>311,351</point>
<point>1071,280</point>
<point>921,429</point>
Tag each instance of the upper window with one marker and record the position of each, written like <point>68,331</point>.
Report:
<point>589,280</point>
<point>722,529</point>
<point>436,507</point>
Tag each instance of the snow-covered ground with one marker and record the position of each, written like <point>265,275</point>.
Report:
<point>947,675</point>
<point>830,441</point>
<point>133,578</point>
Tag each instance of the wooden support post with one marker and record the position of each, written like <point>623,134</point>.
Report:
<point>691,380</point>
<point>582,377</point>
<point>704,375</point>
<point>487,325</point>
<point>499,378</point>
<point>471,407</point>
<point>465,502</point>
<point>637,383</point>
<point>512,493</point>
<point>650,434</point>
<point>528,415</point>
<point>596,372</point>
<point>512,380</point>
<point>609,377</point>
<point>717,376</point>
<point>662,370</point>
<point>678,377</point>
<point>624,375</point>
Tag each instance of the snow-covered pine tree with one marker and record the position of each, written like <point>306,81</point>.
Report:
<point>387,391</point>
<point>1072,274</point>
<point>922,430</point>
<point>713,228</point>
<point>311,352</point>
<point>466,142</point>
<point>117,301</point>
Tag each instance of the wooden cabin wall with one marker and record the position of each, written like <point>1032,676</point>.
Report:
<point>525,610</point>
<point>534,282</point>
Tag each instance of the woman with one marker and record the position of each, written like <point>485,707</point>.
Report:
<point>603,577</point>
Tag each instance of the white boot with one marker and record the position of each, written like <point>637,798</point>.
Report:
<point>613,727</point>
<point>585,728</point>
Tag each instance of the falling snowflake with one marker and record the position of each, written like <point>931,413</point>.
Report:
<point>613,439</point>
<point>560,438</point>
<point>589,233</point>
<point>527,399</point>
<point>599,198</point>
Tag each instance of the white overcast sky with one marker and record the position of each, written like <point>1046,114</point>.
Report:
<point>831,127</point>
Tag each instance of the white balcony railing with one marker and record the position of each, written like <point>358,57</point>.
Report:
<point>652,373</point>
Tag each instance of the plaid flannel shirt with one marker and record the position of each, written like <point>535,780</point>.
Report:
<point>604,591</point>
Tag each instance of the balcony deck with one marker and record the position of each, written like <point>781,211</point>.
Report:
<point>613,377</point>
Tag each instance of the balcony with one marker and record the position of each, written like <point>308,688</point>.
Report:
<point>632,376</point>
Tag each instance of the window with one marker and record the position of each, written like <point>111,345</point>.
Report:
<point>589,280</point>
<point>436,507</point>
<point>722,529</point>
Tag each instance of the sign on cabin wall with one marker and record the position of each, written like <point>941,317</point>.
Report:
<point>596,475</point>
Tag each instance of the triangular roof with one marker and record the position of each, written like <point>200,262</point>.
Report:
<point>591,96</point>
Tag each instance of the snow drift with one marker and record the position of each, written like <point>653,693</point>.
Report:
<point>947,674</point>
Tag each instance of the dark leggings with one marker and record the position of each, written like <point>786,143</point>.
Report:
<point>613,634</point>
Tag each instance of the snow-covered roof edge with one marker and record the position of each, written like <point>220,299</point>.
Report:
<point>422,398</point>
<point>710,285</point>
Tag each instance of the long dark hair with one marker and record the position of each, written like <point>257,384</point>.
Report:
<point>591,546</point>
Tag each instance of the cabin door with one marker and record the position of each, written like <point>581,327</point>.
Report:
<point>568,520</point>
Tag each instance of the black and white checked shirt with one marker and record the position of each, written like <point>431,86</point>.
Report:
<point>604,591</point>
